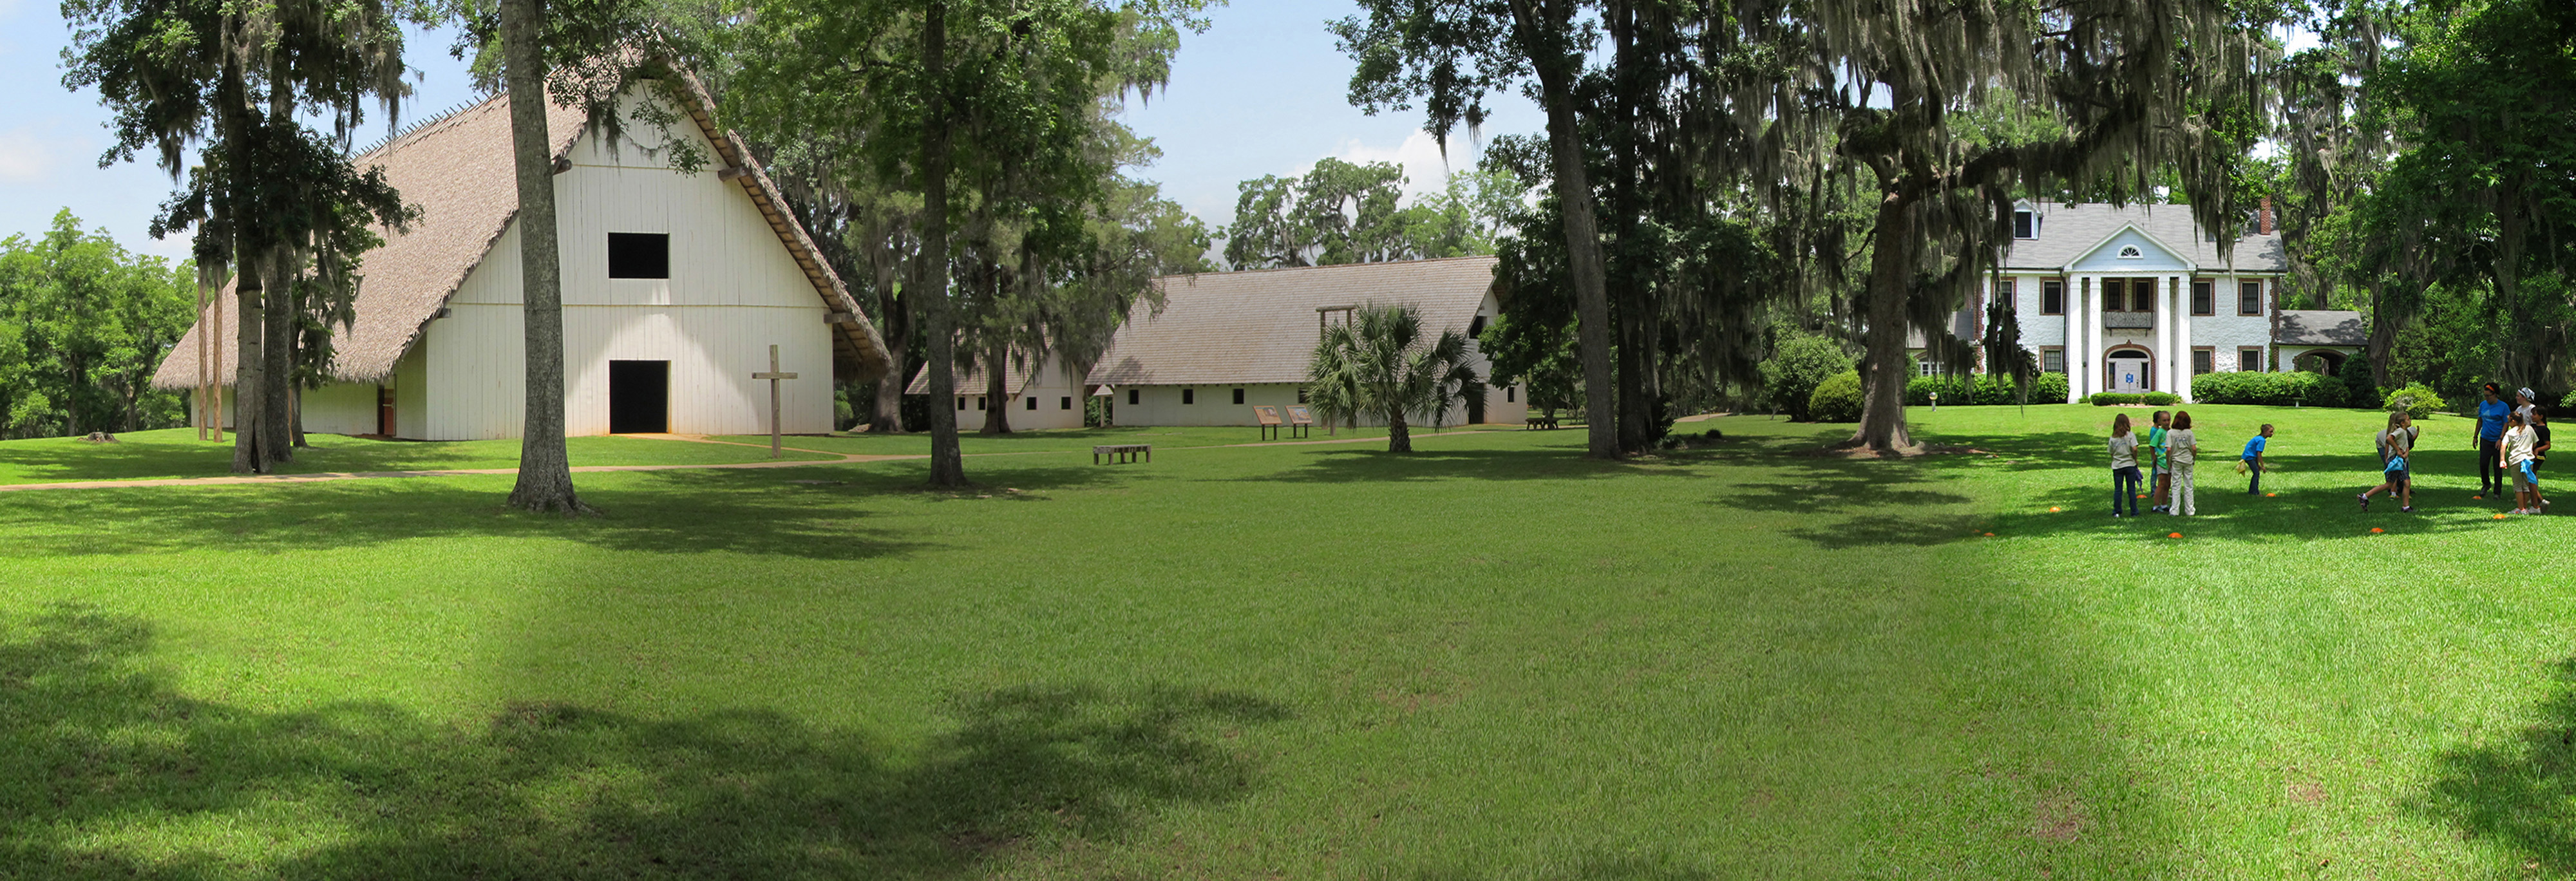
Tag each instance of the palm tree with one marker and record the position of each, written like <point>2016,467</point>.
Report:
<point>1378,363</point>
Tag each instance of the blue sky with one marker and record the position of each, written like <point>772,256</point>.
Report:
<point>1262,92</point>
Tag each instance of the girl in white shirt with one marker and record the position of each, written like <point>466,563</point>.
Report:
<point>2124,466</point>
<point>2515,454</point>
<point>2183,448</point>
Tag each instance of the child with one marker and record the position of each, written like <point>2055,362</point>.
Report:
<point>2184,448</point>
<point>2395,443</point>
<point>2539,454</point>
<point>2253,459</point>
<point>2163,466</point>
<point>2515,457</point>
<point>2124,466</point>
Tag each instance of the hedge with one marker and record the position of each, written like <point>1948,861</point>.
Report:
<point>2152,399</point>
<point>2298,388</point>
<point>2046,388</point>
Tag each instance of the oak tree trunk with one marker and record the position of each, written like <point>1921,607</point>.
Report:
<point>894,320</point>
<point>277,355</point>
<point>947,462</point>
<point>1582,236</point>
<point>1882,414</point>
<point>997,407</point>
<point>248,455</point>
<point>545,469</point>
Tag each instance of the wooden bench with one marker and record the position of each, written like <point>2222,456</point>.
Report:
<point>1300,420</point>
<point>1546,423</point>
<point>1119,453</point>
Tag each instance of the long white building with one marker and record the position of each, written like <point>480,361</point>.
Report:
<point>2139,298</point>
<point>675,286</point>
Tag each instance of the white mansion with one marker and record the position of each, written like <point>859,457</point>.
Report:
<point>2137,298</point>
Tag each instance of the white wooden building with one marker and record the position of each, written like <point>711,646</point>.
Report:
<point>1225,342</point>
<point>675,286</point>
<point>1043,394</point>
<point>2140,298</point>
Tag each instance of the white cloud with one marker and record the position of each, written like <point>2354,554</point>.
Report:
<point>24,157</point>
<point>1425,170</point>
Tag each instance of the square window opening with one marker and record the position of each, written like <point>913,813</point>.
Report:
<point>1033,402</point>
<point>1238,396</point>
<point>639,255</point>
<point>1189,396</point>
<point>2052,360</point>
<point>1133,395</point>
<point>2200,361</point>
<point>2052,298</point>
<point>2025,225</point>
<point>1064,403</point>
<point>2249,360</point>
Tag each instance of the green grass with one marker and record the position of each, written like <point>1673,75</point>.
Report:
<point>178,453</point>
<point>1492,659</point>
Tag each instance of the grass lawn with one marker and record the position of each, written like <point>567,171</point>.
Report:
<point>177,452</point>
<point>1491,659</point>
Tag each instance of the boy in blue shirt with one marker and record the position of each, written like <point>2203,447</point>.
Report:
<point>2254,459</point>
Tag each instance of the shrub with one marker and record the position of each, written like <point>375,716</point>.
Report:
<point>1837,399</point>
<point>2049,388</point>
<point>2266,389</point>
<point>1795,369</point>
<point>2160,399</point>
<point>2417,399</point>
<point>2106,399</point>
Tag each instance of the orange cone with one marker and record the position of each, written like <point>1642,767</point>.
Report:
<point>2173,535</point>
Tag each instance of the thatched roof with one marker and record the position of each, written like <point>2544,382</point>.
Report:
<point>1259,326</point>
<point>458,169</point>
<point>971,381</point>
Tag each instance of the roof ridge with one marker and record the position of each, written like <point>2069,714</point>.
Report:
<point>1334,266</point>
<point>407,130</point>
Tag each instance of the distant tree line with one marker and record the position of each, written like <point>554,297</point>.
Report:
<point>83,325</point>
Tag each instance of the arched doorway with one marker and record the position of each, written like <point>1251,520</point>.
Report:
<point>2128,369</point>
<point>2326,361</point>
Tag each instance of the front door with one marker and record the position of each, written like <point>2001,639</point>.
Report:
<point>639,397</point>
<point>2128,373</point>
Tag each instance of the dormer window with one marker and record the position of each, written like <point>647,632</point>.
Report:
<point>2131,252</point>
<point>2025,224</point>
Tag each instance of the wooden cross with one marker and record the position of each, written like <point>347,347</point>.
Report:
<point>773,376</point>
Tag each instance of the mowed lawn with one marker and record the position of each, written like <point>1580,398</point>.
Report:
<point>1490,659</point>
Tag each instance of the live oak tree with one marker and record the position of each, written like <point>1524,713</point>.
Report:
<point>1339,212</point>
<point>234,77</point>
<point>949,98</point>
<point>1449,55</point>
<point>2134,95</point>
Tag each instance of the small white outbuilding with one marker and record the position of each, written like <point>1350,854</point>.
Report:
<point>675,286</point>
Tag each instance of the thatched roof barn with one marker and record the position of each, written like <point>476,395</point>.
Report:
<point>675,285</point>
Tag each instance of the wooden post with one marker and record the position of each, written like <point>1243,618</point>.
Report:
<point>773,376</point>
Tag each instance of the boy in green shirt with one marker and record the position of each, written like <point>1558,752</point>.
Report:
<point>2164,464</point>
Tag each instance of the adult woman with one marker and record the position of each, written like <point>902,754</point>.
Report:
<point>2491,414</point>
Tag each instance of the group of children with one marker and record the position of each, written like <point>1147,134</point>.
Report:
<point>2513,440</point>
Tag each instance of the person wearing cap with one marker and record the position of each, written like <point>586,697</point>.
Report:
<point>2491,414</point>
<point>2523,406</point>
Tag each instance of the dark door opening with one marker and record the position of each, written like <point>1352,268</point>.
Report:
<point>384,411</point>
<point>639,397</point>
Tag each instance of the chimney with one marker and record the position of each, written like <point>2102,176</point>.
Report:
<point>2263,221</point>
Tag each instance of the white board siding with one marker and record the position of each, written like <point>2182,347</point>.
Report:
<point>733,292</point>
<point>1214,405</point>
<point>340,408</point>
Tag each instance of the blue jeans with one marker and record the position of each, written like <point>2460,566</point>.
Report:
<point>2254,467</point>
<point>2124,488</point>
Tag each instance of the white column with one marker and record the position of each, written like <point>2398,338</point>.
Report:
<point>2182,331</point>
<point>2177,367</point>
<point>2073,343</point>
<point>2092,334</point>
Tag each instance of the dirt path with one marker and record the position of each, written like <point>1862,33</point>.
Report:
<point>838,459</point>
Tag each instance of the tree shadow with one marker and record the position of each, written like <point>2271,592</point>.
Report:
<point>1428,463</point>
<point>763,511</point>
<point>108,771</point>
<point>2521,791</point>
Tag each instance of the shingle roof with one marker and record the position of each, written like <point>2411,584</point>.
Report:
<point>458,169</point>
<point>2321,327</point>
<point>2066,232</point>
<point>1259,326</point>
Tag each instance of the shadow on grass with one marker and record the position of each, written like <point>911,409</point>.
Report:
<point>2517,791</point>
<point>1338,465</point>
<point>108,771</point>
<point>744,511</point>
